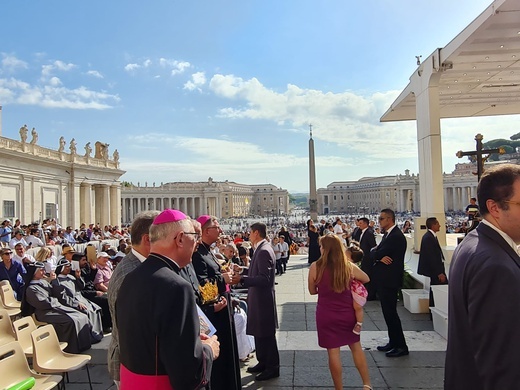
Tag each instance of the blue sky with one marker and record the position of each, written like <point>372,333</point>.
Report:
<point>227,89</point>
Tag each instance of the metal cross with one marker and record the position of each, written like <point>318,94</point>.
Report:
<point>478,154</point>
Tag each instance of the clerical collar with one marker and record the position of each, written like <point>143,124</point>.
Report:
<point>164,258</point>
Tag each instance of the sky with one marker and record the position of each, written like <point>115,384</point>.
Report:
<point>187,90</point>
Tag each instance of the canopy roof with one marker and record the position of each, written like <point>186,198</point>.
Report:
<point>480,69</point>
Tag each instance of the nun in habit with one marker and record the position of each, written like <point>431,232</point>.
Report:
<point>71,325</point>
<point>67,289</point>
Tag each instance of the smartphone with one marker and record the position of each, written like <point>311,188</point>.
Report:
<point>75,265</point>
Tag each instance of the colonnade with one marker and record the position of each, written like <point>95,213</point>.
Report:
<point>457,198</point>
<point>98,203</point>
<point>408,200</point>
<point>190,205</point>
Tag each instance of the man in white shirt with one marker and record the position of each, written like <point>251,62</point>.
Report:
<point>18,238</point>
<point>34,239</point>
<point>284,254</point>
<point>338,227</point>
<point>21,256</point>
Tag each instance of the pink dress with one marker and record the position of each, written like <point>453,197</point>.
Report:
<point>335,316</point>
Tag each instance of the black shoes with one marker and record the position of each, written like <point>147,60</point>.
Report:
<point>268,374</point>
<point>385,348</point>
<point>258,368</point>
<point>397,352</point>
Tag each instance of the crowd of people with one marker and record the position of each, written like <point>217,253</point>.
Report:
<point>192,329</point>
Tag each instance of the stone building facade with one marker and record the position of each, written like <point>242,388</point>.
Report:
<point>399,192</point>
<point>38,183</point>
<point>221,199</point>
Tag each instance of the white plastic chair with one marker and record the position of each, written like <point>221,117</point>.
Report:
<point>6,328</point>
<point>23,329</point>
<point>8,297</point>
<point>14,369</point>
<point>48,358</point>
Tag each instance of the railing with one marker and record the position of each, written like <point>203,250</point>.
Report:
<point>37,150</point>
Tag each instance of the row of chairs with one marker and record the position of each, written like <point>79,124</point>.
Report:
<point>22,339</point>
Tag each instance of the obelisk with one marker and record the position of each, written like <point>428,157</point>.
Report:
<point>313,198</point>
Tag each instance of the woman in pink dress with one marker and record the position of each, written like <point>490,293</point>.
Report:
<point>330,277</point>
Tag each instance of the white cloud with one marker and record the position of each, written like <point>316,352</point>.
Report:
<point>47,70</point>
<point>180,67</point>
<point>132,67</point>
<point>95,73</point>
<point>53,94</point>
<point>177,67</point>
<point>197,80</point>
<point>11,64</point>
<point>174,67</point>
<point>346,119</point>
<point>55,81</point>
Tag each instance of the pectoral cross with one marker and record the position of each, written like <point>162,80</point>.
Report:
<point>479,154</point>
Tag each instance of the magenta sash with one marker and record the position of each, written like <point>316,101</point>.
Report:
<point>132,381</point>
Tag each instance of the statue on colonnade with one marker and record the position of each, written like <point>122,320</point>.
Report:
<point>34,134</point>
<point>62,144</point>
<point>101,150</point>
<point>88,150</point>
<point>72,146</point>
<point>23,133</point>
<point>116,156</point>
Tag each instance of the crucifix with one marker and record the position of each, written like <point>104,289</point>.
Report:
<point>478,154</point>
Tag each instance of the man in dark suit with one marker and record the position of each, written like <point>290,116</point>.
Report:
<point>431,257</point>
<point>139,252</point>
<point>367,241</point>
<point>387,276</point>
<point>484,292</point>
<point>356,233</point>
<point>262,319</point>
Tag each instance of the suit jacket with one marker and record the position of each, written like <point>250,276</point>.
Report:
<point>394,246</point>
<point>430,258</point>
<point>484,313</point>
<point>368,241</point>
<point>356,233</point>
<point>159,332</point>
<point>125,266</point>
<point>262,319</point>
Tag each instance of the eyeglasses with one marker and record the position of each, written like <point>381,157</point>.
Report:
<point>382,218</point>
<point>214,227</point>
<point>512,202</point>
<point>7,253</point>
<point>197,236</point>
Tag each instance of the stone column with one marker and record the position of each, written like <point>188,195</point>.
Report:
<point>115,205</point>
<point>86,205</point>
<point>102,204</point>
